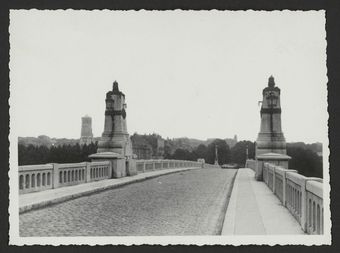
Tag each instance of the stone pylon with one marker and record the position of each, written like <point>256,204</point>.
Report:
<point>115,137</point>
<point>115,143</point>
<point>270,138</point>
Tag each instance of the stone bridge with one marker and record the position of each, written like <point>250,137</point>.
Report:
<point>167,197</point>
<point>116,194</point>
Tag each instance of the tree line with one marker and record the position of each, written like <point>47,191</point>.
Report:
<point>31,154</point>
<point>304,160</point>
<point>236,154</point>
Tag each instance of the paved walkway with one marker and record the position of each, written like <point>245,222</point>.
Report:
<point>254,210</point>
<point>45,198</point>
<point>191,202</point>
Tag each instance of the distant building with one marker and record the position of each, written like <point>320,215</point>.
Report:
<point>86,136</point>
<point>143,152</point>
<point>231,142</point>
<point>159,149</point>
<point>141,147</point>
<point>148,146</point>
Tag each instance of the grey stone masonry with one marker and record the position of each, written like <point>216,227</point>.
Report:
<point>115,144</point>
<point>270,138</point>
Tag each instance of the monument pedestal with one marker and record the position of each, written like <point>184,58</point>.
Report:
<point>131,168</point>
<point>273,158</point>
<point>118,165</point>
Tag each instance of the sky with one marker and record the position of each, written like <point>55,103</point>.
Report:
<point>196,74</point>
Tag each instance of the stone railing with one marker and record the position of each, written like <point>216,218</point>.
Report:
<point>33,178</point>
<point>302,196</point>
<point>251,164</point>
<point>42,177</point>
<point>212,166</point>
<point>150,165</point>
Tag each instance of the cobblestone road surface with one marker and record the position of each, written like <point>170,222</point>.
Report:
<point>184,203</point>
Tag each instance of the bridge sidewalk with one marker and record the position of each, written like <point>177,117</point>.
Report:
<point>41,199</point>
<point>254,210</point>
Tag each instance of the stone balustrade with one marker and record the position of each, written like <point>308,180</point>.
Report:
<point>150,165</point>
<point>251,164</point>
<point>70,174</point>
<point>314,203</point>
<point>302,196</point>
<point>99,171</point>
<point>42,177</point>
<point>211,166</point>
<point>35,178</point>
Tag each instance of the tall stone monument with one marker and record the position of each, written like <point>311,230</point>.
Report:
<point>115,144</point>
<point>86,136</point>
<point>270,137</point>
<point>270,143</point>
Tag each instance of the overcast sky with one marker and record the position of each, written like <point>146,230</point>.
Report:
<point>184,73</point>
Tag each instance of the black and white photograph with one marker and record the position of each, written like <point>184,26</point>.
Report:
<point>168,127</point>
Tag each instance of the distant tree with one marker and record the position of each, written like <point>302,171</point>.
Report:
<point>182,154</point>
<point>238,152</point>
<point>167,150</point>
<point>200,152</point>
<point>223,152</point>
<point>55,154</point>
<point>305,161</point>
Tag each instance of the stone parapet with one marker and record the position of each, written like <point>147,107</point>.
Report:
<point>251,164</point>
<point>302,196</point>
<point>273,158</point>
<point>33,178</point>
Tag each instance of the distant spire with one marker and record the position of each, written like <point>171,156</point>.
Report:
<point>271,82</point>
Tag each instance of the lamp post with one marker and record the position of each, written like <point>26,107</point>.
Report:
<point>216,155</point>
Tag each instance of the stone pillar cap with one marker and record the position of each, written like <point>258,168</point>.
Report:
<point>107,155</point>
<point>273,156</point>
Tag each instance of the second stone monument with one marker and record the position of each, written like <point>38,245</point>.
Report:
<point>270,144</point>
<point>115,144</point>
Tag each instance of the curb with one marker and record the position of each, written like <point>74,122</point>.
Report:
<point>224,210</point>
<point>55,201</point>
<point>228,224</point>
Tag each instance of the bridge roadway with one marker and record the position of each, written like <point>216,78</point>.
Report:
<point>185,203</point>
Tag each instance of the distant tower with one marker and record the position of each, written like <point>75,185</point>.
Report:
<point>216,155</point>
<point>270,138</point>
<point>86,136</point>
